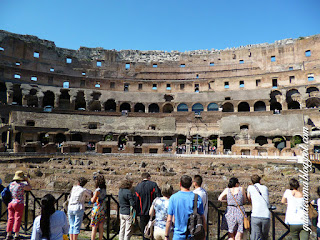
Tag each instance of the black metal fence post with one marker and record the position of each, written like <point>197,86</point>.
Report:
<point>108,217</point>
<point>26,211</point>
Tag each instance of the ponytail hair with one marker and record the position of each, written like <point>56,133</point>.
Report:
<point>47,209</point>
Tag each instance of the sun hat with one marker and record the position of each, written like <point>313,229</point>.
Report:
<point>19,175</point>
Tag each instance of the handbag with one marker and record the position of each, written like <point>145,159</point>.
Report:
<point>246,221</point>
<point>148,230</point>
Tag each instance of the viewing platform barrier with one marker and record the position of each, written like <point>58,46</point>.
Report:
<point>33,202</point>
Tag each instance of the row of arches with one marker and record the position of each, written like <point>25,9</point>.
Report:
<point>110,105</point>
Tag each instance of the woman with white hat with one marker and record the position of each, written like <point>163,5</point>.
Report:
<point>17,187</point>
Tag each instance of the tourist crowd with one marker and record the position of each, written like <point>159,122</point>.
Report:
<point>169,210</point>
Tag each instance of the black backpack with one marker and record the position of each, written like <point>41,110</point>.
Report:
<point>195,224</point>
<point>6,195</point>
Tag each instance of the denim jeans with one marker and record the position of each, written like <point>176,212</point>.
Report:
<point>75,220</point>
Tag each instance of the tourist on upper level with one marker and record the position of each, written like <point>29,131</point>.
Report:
<point>127,204</point>
<point>17,187</point>
<point>76,207</point>
<point>146,191</point>
<point>51,224</point>
<point>294,214</point>
<point>232,220</point>
<point>159,209</point>
<point>99,208</point>
<point>258,195</point>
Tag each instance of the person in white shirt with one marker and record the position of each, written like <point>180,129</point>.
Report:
<point>258,195</point>
<point>197,182</point>
<point>76,206</point>
<point>295,213</point>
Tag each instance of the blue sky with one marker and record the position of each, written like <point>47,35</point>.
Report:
<point>161,25</point>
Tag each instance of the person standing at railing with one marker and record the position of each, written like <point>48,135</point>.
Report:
<point>258,195</point>
<point>76,206</point>
<point>233,218</point>
<point>17,187</point>
<point>295,213</point>
<point>126,201</point>
<point>99,209</point>
<point>51,224</point>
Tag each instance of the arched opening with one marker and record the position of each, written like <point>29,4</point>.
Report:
<point>197,141</point>
<point>32,99</point>
<point>290,93</point>
<point>311,90</point>
<point>44,138</point>
<point>168,108</point>
<point>181,141</point>
<point>80,102</point>
<point>279,142</point>
<point>48,99</point>
<point>227,143</point>
<point>3,93</point>
<point>295,140</point>
<point>294,105</point>
<point>259,106</point>
<point>244,127</point>
<point>198,107</point>
<point>139,107</point>
<point>17,95</point>
<point>182,107</point>
<point>59,138</point>
<point>167,143</point>
<point>95,106</point>
<point>313,102</point>
<point>125,107</point>
<point>110,105</point>
<point>274,95</point>
<point>153,108</point>
<point>109,137</point>
<point>18,137</point>
<point>213,107</point>
<point>64,99</point>
<point>243,107</point>
<point>227,107</point>
<point>261,140</point>
<point>122,142</point>
<point>276,107</point>
<point>138,140</point>
<point>76,137</point>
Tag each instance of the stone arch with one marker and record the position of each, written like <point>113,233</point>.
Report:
<point>274,95</point>
<point>139,107</point>
<point>17,94</point>
<point>32,99</point>
<point>64,99</point>
<point>197,107</point>
<point>261,140</point>
<point>80,101</point>
<point>228,142</point>
<point>153,108</point>
<point>243,107</point>
<point>76,137</point>
<point>259,106</point>
<point>48,99</point>
<point>110,105</point>
<point>312,89</point>
<point>275,106</point>
<point>181,139</point>
<point>227,107</point>
<point>212,107</point>
<point>59,138</point>
<point>294,105</point>
<point>182,107</point>
<point>3,93</point>
<point>279,142</point>
<point>125,107</point>
<point>313,102</point>
<point>168,108</point>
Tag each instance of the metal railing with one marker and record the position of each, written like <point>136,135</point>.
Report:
<point>33,205</point>
<point>275,216</point>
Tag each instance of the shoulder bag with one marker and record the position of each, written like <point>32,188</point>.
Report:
<point>246,221</point>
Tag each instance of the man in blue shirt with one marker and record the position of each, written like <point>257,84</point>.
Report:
<point>180,208</point>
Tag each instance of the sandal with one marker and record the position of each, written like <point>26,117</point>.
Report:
<point>9,237</point>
